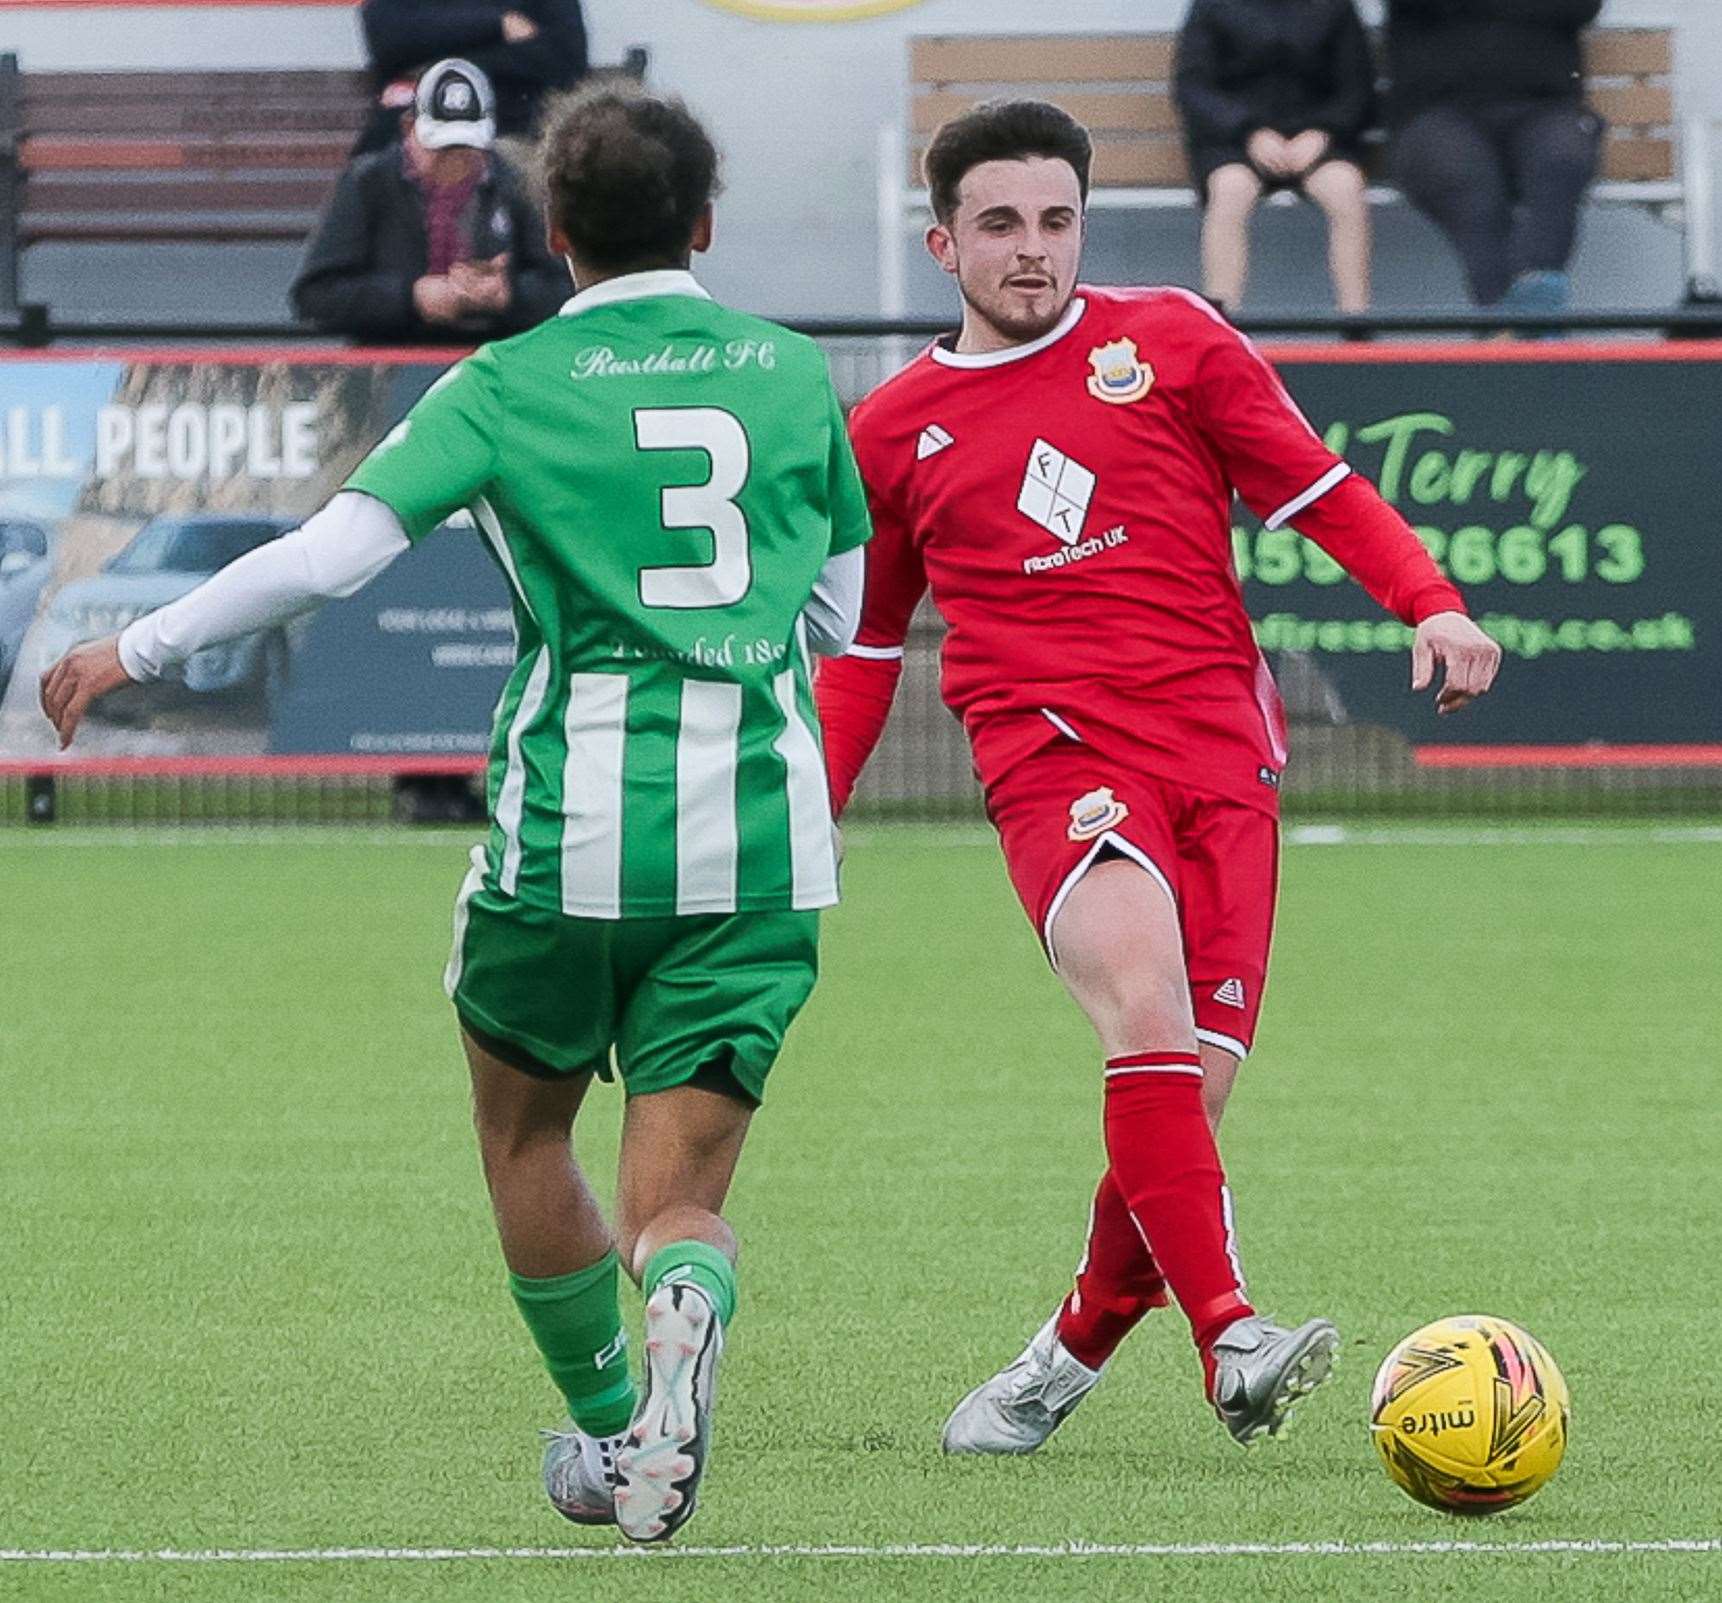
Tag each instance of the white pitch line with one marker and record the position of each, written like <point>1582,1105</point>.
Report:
<point>1503,835</point>
<point>892,1550</point>
<point>43,838</point>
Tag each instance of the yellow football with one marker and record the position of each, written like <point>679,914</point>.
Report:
<point>1470,1415</point>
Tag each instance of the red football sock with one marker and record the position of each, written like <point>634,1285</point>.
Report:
<point>1168,1171</point>
<point>1117,1281</point>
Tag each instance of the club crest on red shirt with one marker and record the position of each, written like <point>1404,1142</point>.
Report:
<point>1095,813</point>
<point>1119,377</point>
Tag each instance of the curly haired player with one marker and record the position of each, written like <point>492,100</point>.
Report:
<point>653,473</point>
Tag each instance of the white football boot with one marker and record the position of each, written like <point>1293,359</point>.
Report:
<point>1261,1370</point>
<point>580,1474</point>
<point>659,1467</point>
<point>1023,1404</point>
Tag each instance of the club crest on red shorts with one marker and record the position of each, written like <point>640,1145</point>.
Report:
<point>1092,815</point>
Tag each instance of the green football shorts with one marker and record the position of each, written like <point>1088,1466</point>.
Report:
<point>675,998</point>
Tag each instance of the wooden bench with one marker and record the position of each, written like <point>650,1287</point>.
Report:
<point>171,157</point>
<point>162,156</point>
<point>1120,86</point>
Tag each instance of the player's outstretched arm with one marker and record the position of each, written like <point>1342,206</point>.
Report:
<point>1290,479</point>
<point>1471,659</point>
<point>331,555</point>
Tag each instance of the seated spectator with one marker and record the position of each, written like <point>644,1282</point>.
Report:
<point>1492,136</point>
<point>436,239</point>
<point>1277,94</point>
<point>528,48</point>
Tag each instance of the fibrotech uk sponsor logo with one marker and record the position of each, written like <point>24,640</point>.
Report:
<point>1079,552</point>
<point>1056,493</point>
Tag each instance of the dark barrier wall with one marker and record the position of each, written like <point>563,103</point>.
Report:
<point>1572,491</point>
<point>1574,499</point>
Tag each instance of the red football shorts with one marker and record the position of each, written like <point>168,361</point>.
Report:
<point>1066,806</point>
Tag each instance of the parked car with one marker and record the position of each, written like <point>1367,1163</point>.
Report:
<point>24,568</point>
<point>171,554</point>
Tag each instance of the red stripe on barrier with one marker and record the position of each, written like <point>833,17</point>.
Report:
<point>251,355</point>
<point>1540,354</point>
<point>307,767</point>
<point>1697,756</point>
<point>159,5</point>
<point>1470,354</point>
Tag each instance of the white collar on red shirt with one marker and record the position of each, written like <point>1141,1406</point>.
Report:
<point>1015,353</point>
<point>635,287</point>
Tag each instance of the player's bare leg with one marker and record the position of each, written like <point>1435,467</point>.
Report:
<point>1120,953</point>
<point>562,1270</point>
<point>679,1152</point>
<point>546,1215</point>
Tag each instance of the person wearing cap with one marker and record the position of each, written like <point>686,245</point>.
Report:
<point>436,240</point>
<point>527,48</point>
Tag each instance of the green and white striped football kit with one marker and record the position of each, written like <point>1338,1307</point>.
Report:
<point>661,480</point>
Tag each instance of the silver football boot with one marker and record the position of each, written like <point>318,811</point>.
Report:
<point>659,1467</point>
<point>1261,1370</point>
<point>1023,1404</point>
<point>580,1474</point>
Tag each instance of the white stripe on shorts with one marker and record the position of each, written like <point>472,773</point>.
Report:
<point>1071,880</point>
<point>1226,1043</point>
<point>468,889</point>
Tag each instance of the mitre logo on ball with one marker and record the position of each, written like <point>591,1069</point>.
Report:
<point>1095,813</point>
<point>1119,377</point>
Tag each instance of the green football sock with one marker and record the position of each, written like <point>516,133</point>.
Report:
<point>577,1323</point>
<point>699,1265</point>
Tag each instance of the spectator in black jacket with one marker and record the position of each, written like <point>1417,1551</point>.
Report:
<point>1493,139</point>
<point>434,240</point>
<point>527,48</point>
<point>1277,94</point>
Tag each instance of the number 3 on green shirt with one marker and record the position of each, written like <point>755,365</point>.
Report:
<point>708,507</point>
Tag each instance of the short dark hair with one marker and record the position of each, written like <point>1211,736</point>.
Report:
<point>1003,130</point>
<point>627,175</point>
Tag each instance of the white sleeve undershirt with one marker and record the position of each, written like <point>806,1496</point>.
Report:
<point>833,612</point>
<point>342,548</point>
<point>331,555</point>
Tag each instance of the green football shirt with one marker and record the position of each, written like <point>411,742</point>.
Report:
<point>661,480</point>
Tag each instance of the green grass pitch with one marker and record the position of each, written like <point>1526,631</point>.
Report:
<point>250,1299</point>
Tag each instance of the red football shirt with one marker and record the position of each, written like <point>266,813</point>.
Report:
<point>1068,501</point>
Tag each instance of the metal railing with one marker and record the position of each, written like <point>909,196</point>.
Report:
<point>36,326</point>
